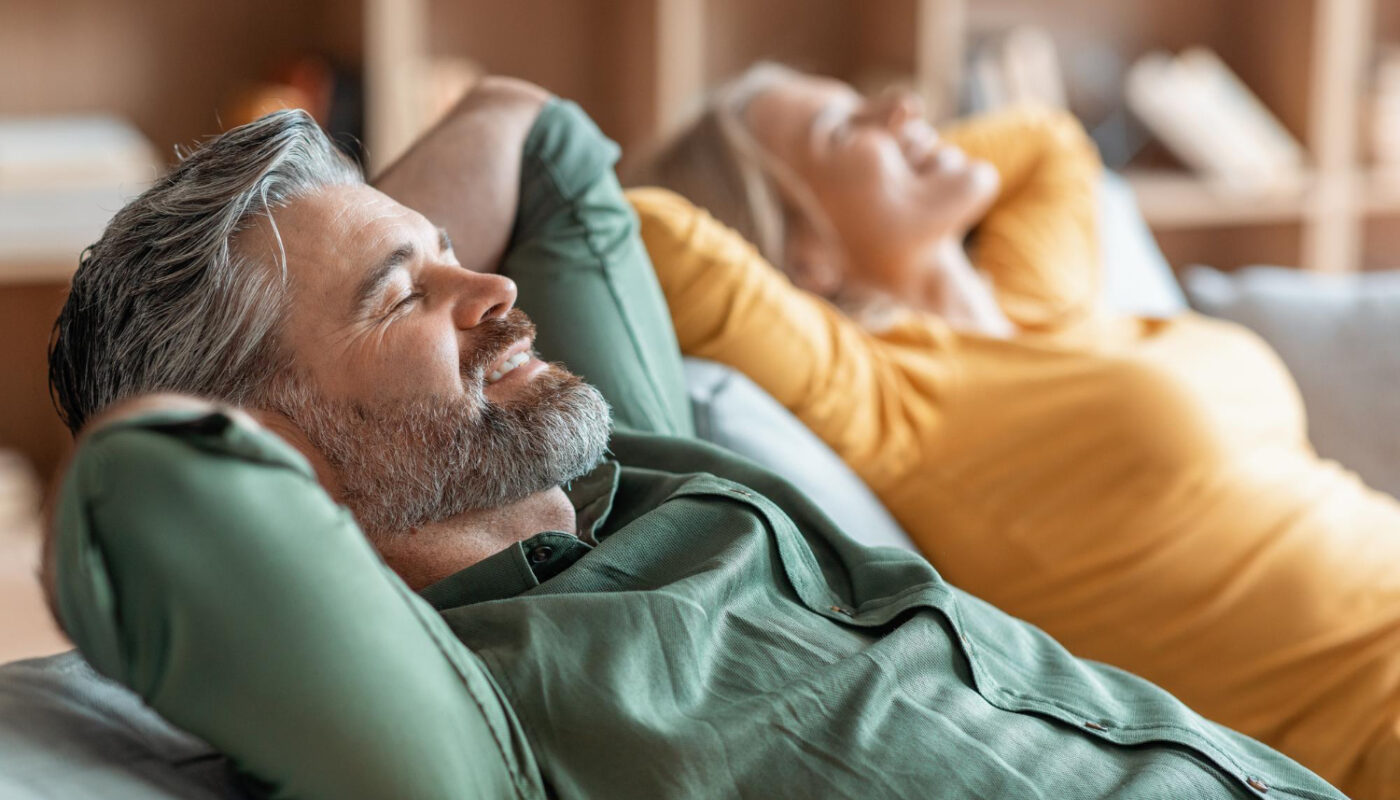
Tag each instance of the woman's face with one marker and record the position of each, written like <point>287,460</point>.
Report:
<point>875,167</point>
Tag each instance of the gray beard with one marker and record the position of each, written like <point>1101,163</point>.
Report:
<point>404,464</point>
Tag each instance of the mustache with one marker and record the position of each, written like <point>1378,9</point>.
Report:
<point>492,336</point>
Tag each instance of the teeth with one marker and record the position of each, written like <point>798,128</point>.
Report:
<point>510,364</point>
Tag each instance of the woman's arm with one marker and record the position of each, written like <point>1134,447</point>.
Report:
<point>1039,241</point>
<point>869,397</point>
<point>197,561</point>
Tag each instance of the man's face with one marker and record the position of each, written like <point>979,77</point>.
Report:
<point>413,376</point>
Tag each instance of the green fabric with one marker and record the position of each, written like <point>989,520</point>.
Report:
<point>722,639</point>
<point>585,278</point>
<point>202,566</point>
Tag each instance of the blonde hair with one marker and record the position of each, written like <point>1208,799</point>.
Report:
<point>718,164</point>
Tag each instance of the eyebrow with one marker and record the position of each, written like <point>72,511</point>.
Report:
<point>375,281</point>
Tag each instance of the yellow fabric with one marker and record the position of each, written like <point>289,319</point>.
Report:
<point>1142,489</point>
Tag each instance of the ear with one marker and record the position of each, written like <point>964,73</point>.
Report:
<point>812,263</point>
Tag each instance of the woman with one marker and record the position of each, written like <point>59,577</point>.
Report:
<point>1143,489</point>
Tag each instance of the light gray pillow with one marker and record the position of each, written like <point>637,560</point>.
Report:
<point>1338,334</point>
<point>1136,277</point>
<point>67,733</point>
<point>731,411</point>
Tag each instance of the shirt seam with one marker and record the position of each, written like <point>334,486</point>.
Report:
<point>517,777</point>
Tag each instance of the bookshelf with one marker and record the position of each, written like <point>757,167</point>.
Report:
<point>641,66</point>
<point>1307,60</point>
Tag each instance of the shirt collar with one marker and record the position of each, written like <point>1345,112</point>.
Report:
<point>524,565</point>
<point>592,497</point>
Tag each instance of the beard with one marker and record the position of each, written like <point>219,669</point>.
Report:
<point>406,463</point>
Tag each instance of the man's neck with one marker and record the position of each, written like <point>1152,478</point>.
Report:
<point>422,556</point>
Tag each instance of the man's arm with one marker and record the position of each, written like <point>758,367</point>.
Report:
<point>526,182</point>
<point>198,562</point>
<point>464,174</point>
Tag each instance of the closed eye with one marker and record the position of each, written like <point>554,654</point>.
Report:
<point>403,304</point>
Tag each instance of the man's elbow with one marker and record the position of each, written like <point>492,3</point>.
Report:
<point>127,409</point>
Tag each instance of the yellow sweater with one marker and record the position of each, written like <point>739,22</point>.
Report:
<point>1142,489</point>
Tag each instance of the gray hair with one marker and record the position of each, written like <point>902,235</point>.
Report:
<point>165,301</point>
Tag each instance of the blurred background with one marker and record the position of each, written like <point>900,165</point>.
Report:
<point>1250,131</point>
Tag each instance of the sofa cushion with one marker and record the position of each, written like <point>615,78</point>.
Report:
<point>67,733</point>
<point>1337,335</point>
<point>733,412</point>
<point>1136,277</point>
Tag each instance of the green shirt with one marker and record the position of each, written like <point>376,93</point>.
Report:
<point>709,634</point>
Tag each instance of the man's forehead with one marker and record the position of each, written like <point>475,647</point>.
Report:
<point>333,232</point>
<point>349,213</point>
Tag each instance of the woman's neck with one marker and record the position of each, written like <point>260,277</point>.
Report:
<point>940,279</point>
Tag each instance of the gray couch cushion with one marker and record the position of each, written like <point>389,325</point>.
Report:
<point>1338,335</point>
<point>731,411</point>
<point>66,733</point>
<point>1136,279</point>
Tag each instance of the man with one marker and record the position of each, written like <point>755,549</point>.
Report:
<point>668,622</point>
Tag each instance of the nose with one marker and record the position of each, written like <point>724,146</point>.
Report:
<point>481,296</point>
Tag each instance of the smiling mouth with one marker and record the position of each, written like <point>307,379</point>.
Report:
<point>507,366</point>
<point>516,355</point>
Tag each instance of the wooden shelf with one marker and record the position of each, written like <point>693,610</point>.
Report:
<point>1174,200</point>
<point>20,270</point>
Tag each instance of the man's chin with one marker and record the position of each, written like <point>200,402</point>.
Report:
<point>407,464</point>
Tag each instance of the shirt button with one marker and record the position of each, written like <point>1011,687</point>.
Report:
<point>541,554</point>
<point>1258,785</point>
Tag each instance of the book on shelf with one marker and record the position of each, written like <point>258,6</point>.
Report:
<point>61,180</point>
<point>1016,67</point>
<point>1213,123</point>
